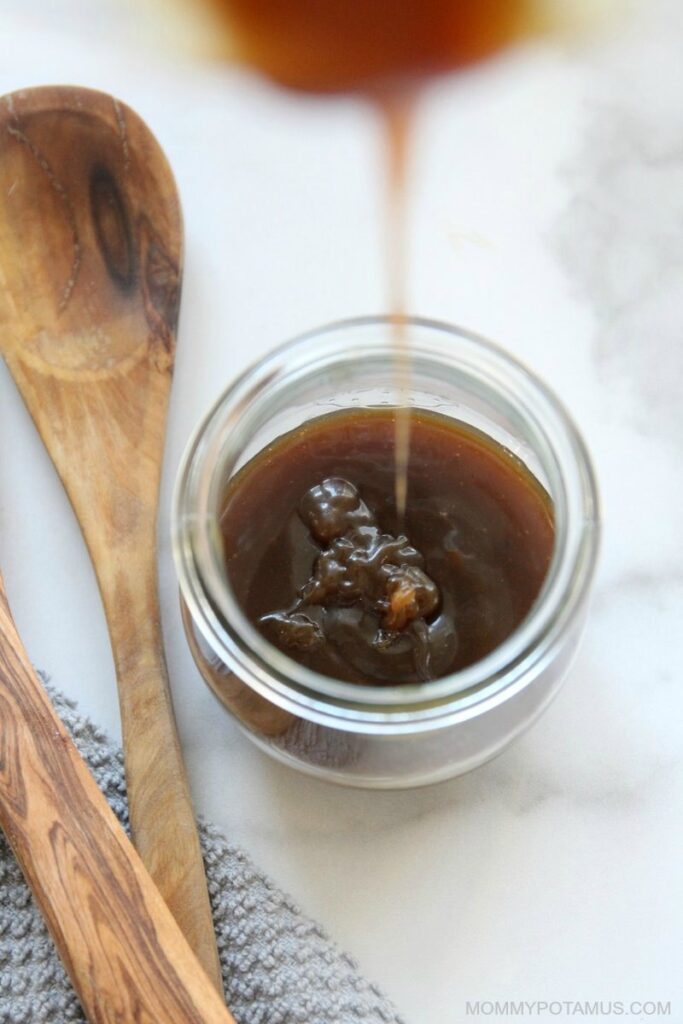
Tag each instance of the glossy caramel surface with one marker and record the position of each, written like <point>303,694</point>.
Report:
<point>478,533</point>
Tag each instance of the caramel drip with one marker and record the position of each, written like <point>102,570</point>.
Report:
<point>397,111</point>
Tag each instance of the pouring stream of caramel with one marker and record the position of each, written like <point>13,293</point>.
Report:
<point>382,50</point>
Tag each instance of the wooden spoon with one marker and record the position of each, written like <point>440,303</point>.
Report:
<point>125,954</point>
<point>90,265</point>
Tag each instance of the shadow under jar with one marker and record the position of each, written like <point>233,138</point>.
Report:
<point>377,732</point>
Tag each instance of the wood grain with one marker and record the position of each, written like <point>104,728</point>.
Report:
<point>90,272</point>
<point>124,952</point>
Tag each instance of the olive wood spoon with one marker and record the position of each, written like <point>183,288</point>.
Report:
<point>125,954</point>
<point>90,270</point>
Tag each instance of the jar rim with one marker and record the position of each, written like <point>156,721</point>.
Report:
<point>216,612</point>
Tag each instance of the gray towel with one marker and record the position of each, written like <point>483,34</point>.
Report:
<point>278,966</point>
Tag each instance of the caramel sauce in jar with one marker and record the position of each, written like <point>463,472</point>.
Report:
<point>323,567</point>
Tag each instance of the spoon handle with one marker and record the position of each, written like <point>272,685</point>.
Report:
<point>124,952</point>
<point>162,819</point>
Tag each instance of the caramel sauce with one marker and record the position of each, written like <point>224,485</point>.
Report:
<point>483,537</point>
<point>323,567</point>
<point>397,109</point>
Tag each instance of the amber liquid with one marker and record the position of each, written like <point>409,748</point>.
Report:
<point>485,531</point>
<point>350,45</point>
<point>397,107</point>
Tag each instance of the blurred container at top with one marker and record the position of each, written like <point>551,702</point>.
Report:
<point>363,45</point>
<point>332,45</point>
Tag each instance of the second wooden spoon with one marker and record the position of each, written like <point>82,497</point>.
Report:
<point>90,264</point>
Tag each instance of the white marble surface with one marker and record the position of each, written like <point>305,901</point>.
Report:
<point>548,214</point>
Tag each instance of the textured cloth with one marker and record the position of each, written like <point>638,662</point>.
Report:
<point>278,966</point>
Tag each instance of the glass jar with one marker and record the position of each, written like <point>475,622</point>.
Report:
<point>403,735</point>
